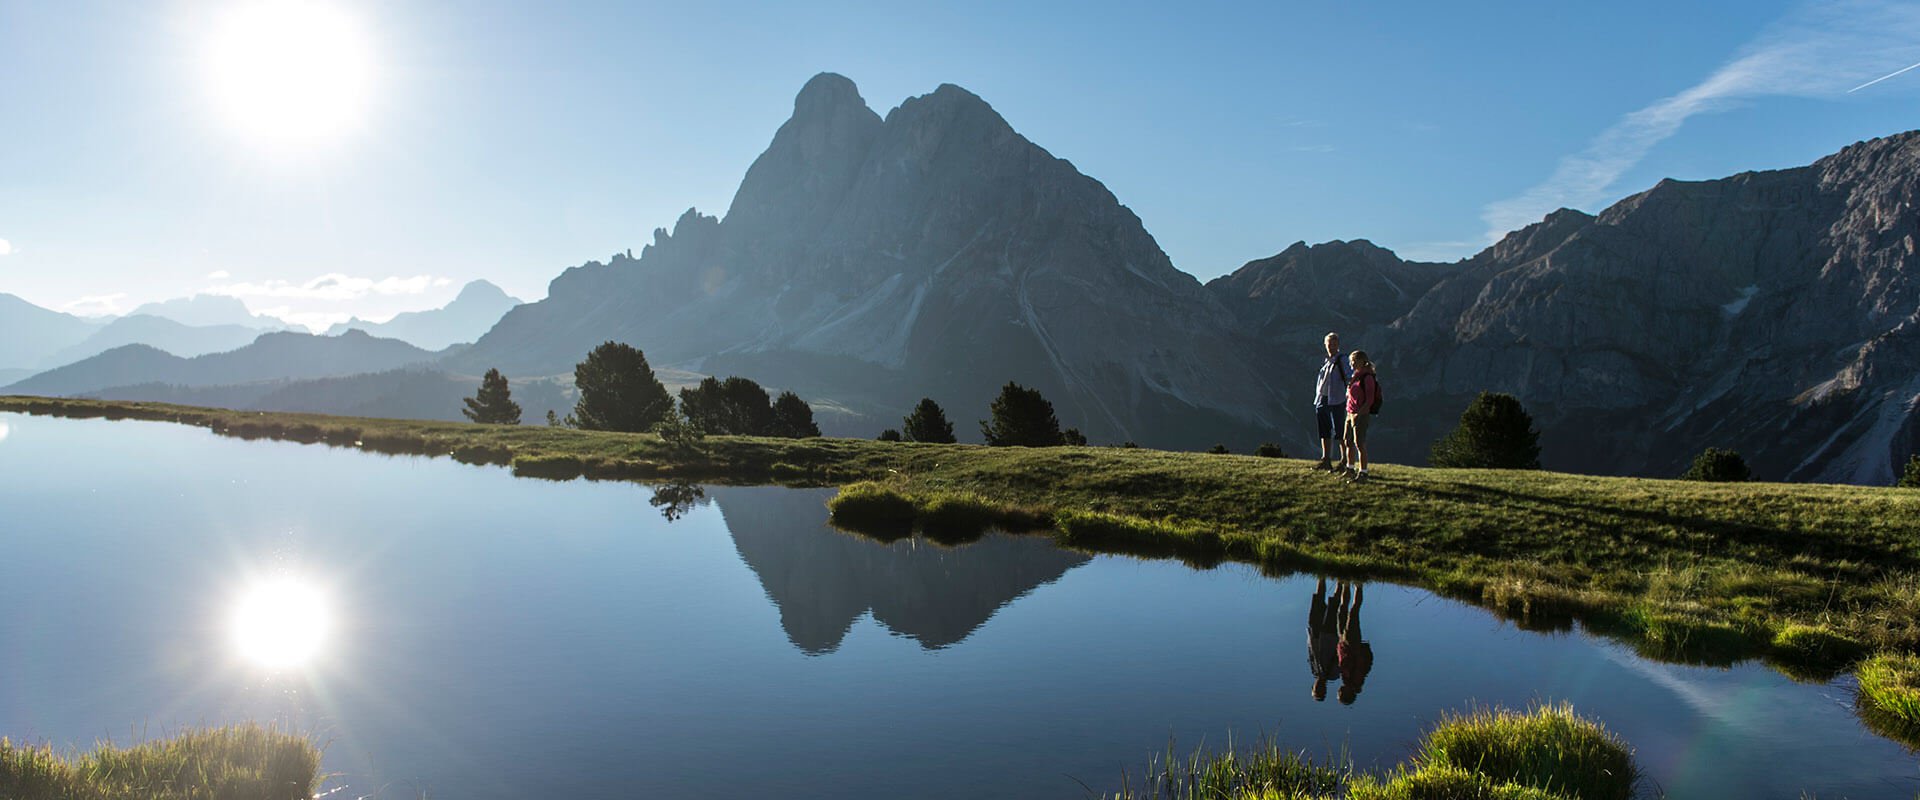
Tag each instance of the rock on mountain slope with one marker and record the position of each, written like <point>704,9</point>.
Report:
<point>478,306</point>
<point>29,333</point>
<point>273,356</point>
<point>1777,313</point>
<point>934,252</point>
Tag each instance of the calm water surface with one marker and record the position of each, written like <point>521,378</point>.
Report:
<point>495,637</point>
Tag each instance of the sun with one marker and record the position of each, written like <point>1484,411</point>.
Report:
<point>281,622</point>
<point>289,72</point>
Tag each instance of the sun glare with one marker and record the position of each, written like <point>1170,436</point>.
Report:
<point>281,622</point>
<point>289,71</point>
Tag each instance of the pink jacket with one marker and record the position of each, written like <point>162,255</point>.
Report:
<point>1362,391</point>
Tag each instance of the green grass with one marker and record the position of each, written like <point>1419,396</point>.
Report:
<point>1807,576</point>
<point>1548,753</point>
<point>1889,696</point>
<point>242,762</point>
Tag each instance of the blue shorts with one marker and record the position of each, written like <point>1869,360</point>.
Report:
<point>1333,420</point>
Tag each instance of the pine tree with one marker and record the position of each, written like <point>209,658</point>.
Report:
<point>1073,437</point>
<point>493,403</point>
<point>618,391</point>
<point>888,435</point>
<point>1911,480</point>
<point>793,418</point>
<point>732,407</point>
<point>1719,466</point>
<point>1021,417</point>
<point>927,423</point>
<point>1495,432</point>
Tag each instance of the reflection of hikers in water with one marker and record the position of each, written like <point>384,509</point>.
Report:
<point>1323,632</point>
<point>1356,655</point>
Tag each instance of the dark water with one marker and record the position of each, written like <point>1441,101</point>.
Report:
<point>495,637</point>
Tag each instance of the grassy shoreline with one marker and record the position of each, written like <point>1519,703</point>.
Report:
<point>236,761</point>
<point>1812,578</point>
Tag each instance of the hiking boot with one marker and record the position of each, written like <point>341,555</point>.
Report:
<point>1323,466</point>
<point>1358,477</point>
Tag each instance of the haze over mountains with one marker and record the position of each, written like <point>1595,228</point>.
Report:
<point>209,309</point>
<point>39,339</point>
<point>867,261</point>
<point>478,306</point>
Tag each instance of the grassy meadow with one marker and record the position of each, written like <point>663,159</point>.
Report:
<point>1813,578</point>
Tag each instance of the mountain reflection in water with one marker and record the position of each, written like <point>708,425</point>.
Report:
<point>823,579</point>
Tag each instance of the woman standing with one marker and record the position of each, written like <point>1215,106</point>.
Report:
<point>1363,399</point>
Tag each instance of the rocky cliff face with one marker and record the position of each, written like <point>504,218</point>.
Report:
<point>935,252</point>
<point>1772,312</point>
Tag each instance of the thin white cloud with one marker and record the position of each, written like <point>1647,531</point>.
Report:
<point>1819,51</point>
<point>95,305</point>
<point>219,275</point>
<point>6,248</point>
<point>331,286</point>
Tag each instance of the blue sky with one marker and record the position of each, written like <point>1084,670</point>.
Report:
<point>509,141</point>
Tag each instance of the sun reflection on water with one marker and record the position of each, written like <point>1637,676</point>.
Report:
<point>281,622</point>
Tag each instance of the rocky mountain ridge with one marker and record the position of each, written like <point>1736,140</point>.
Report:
<point>935,252</point>
<point>1772,312</point>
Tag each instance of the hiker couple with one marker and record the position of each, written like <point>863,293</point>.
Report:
<point>1335,648</point>
<point>1345,398</point>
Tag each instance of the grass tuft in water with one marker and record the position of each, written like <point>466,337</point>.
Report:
<point>1814,653</point>
<point>1889,696</point>
<point>873,509</point>
<point>239,761</point>
<point>1549,748</point>
<point>1548,753</point>
<point>1262,772</point>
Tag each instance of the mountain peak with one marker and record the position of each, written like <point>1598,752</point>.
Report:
<point>825,93</point>
<point>482,291</point>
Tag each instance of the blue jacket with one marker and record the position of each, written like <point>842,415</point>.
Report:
<point>1330,389</point>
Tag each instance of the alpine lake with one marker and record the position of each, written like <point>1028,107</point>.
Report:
<point>447,630</point>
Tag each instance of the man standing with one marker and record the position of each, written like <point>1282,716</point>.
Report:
<point>1330,403</point>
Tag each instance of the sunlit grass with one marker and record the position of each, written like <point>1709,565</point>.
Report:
<point>1548,753</point>
<point>1890,695</point>
<point>241,762</point>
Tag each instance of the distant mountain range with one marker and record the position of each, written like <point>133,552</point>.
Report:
<point>30,334</point>
<point>35,339</point>
<point>209,310</point>
<point>868,261</point>
<point>157,332</point>
<point>479,305</point>
<point>273,356</point>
